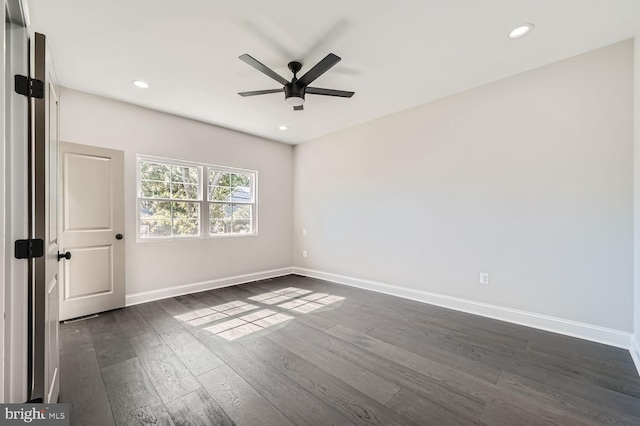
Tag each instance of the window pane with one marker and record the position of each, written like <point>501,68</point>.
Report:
<point>240,180</point>
<point>241,226</point>
<point>184,174</point>
<point>184,191</point>
<point>230,218</point>
<point>219,227</point>
<point>220,218</point>
<point>186,210</point>
<point>186,227</point>
<point>241,191</point>
<point>154,189</point>
<point>219,193</point>
<point>240,194</point>
<point>241,212</point>
<point>153,171</point>
<point>150,228</point>
<point>242,219</point>
<point>218,178</point>
<point>155,209</point>
<point>156,219</point>
<point>220,211</point>
<point>229,187</point>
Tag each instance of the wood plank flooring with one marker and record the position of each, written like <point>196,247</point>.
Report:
<point>301,351</point>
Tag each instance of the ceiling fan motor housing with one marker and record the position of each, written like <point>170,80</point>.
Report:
<point>294,90</point>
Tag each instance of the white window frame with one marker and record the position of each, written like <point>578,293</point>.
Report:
<point>254,202</point>
<point>203,198</point>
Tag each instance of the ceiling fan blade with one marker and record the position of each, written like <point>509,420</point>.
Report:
<point>260,92</point>
<point>298,108</point>
<point>328,92</point>
<point>319,69</point>
<point>263,68</point>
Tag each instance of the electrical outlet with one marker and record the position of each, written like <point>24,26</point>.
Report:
<point>304,231</point>
<point>304,253</point>
<point>484,278</point>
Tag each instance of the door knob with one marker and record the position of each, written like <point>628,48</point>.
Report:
<point>65,255</point>
<point>118,236</point>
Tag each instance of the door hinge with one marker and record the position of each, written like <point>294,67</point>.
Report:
<point>28,249</point>
<point>29,87</point>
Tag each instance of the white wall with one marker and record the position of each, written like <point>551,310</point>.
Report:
<point>529,178</point>
<point>94,120</point>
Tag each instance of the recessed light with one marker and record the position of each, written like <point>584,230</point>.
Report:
<point>521,31</point>
<point>141,84</point>
<point>283,127</point>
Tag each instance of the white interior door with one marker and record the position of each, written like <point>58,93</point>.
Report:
<point>44,225</point>
<point>53,272</point>
<point>92,230</point>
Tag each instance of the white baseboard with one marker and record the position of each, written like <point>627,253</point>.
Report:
<point>179,290</point>
<point>607,336</point>
<point>635,352</point>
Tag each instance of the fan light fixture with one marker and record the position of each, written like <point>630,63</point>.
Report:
<point>283,127</point>
<point>521,31</point>
<point>294,101</point>
<point>141,84</point>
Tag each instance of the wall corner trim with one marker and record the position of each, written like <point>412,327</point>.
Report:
<point>179,290</point>
<point>635,352</point>
<point>607,336</point>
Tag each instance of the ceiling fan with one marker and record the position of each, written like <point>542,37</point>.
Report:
<point>295,90</point>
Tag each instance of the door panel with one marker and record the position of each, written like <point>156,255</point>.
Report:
<point>53,301</point>
<point>44,225</point>
<point>53,128</point>
<point>92,267</point>
<point>92,186</point>
<point>88,186</point>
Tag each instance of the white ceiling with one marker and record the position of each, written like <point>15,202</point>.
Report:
<point>395,54</point>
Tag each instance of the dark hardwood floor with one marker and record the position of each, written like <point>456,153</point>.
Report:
<point>301,351</point>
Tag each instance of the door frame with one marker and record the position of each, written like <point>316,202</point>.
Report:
<point>14,208</point>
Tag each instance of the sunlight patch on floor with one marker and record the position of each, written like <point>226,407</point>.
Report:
<point>234,326</point>
<point>279,295</point>
<point>239,327</point>
<point>311,303</point>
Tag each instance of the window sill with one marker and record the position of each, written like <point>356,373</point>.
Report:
<point>200,237</point>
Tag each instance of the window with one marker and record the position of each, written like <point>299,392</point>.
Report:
<point>230,202</point>
<point>172,204</point>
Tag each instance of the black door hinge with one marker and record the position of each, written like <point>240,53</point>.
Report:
<point>29,87</point>
<point>28,249</point>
